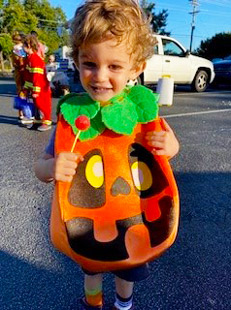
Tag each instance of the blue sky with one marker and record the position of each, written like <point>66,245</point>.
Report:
<point>214,17</point>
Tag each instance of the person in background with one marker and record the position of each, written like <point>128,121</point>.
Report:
<point>59,81</point>
<point>18,61</point>
<point>42,49</point>
<point>51,69</point>
<point>36,83</point>
<point>51,65</point>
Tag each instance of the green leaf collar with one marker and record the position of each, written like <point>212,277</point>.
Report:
<point>134,105</point>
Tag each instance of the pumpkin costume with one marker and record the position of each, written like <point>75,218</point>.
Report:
<point>121,208</point>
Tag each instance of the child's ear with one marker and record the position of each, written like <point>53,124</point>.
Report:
<point>135,72</point>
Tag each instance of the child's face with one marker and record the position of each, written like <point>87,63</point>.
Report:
<point>51,59</point>
<point>105,68</point>
<point>28,49</point>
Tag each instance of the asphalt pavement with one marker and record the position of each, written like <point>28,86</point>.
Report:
<point>194,274</point>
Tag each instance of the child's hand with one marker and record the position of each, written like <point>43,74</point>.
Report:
<point>65,166</point>
<point>35,95</point>
<point>163,142</point>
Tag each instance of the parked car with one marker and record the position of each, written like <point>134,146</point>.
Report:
<point>171,58</point>
<point>222,69</point>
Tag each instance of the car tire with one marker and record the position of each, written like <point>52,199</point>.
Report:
<point>200,82</point>
<point>137,81</point>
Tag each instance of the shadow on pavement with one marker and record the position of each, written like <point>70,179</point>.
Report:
<point>194,274</point>
<point>25,287</point>
<point>8,120</point>
<point>8,90</point>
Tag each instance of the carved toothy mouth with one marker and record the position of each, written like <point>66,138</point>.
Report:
<point>80,232</point>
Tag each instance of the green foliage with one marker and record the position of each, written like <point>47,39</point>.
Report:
<point>6,44</point>
<point>158,21</point>
<point>133,105</point>
<point>146,103</point>
<point>31,6</point>
<point>26,15</point>
<point>218,46</point>
<point>5,50</point>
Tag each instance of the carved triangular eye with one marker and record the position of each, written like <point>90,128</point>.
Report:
<point>147,174</point>
<point>87,189</point>
<point>120,187</point>
<point>142,176</point>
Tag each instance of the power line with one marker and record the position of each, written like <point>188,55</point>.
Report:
<point>194,12</point>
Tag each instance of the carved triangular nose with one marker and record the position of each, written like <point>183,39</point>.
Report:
<point>120,187</point>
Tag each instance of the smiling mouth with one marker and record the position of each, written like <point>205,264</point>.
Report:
<point>100,90</point>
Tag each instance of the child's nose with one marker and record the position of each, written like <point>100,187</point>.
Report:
<point>100,74</point>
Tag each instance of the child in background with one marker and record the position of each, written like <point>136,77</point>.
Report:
<point>36,83</point>
<point>42,49</point>
<point>51,69</point>
<point>51,65</point>
<point>59,82</point>
<point>18,61</point>
<point>111,41</point>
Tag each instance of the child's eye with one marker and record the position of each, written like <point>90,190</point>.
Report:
<point>115,67</point>
<point>89,64</point>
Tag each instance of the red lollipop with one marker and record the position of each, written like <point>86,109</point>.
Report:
<point>82,123</point>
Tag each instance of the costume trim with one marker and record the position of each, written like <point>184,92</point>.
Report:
<point>123,112</point>
<point>36,70</point>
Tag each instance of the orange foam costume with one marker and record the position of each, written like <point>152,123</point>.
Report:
<point>122,207</point>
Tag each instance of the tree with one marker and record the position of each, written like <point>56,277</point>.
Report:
<point>5,48</point>
<point>15,18</point>
<point>31,6</point>
<point>49,20</point>
<point>158,21</point>
<point>26,15</point>
<point>218,46</point>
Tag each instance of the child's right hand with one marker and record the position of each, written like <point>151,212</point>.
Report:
<point>65,165</point>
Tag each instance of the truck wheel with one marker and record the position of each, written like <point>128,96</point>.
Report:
<point>137,81</point>
<point>200,82</point>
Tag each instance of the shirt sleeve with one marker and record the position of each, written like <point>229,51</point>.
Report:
<point>50,148</point>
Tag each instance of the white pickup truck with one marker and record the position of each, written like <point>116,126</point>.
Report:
<point>171,58</point>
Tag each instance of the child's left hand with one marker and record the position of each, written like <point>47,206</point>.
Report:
<point>163,142</point>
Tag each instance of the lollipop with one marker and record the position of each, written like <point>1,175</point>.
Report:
<point>82,123</point>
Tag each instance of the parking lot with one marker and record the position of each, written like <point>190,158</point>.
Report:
<point>194,274</point>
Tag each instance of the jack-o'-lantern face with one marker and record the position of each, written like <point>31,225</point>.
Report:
<point>120,208</point>
<point>88,190</point>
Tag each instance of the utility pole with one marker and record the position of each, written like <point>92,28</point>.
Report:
<point>194,3</point>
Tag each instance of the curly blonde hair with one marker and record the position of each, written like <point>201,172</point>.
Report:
<point>99,20</point>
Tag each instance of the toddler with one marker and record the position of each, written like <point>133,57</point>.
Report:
<point>111,41</point>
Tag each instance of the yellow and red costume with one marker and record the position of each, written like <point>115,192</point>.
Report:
<point>38,86</point>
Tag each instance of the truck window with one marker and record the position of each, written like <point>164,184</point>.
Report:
<point>156,49</point>
<point>171,48</point>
